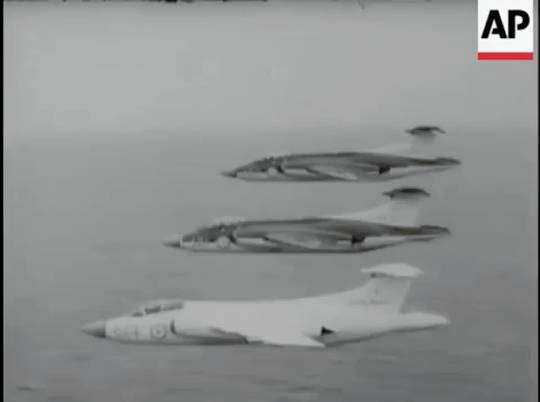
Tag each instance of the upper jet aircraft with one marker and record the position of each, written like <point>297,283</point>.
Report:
<point>359,314</point>
<point>389,224</point>
<point>385,163</point>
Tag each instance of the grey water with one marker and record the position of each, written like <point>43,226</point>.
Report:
<point>118,118</point>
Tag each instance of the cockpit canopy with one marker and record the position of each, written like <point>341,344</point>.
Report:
<point>225,220</point>
<point>218,224</point>
<point>264,163</point>
<point>158,306</point>
<point>275,155</point>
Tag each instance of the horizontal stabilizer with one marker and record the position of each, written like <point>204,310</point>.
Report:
<point>393,271</point>
<point>429,131</point>
<point>407,193</point>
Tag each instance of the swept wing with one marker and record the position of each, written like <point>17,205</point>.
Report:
<point>305,240</point>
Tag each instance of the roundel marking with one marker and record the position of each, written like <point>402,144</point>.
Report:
<point>224,242</point>
<point>158,331</point>
<point>272,171</point>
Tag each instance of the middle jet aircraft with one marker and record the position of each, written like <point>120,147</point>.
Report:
<point>381,164</point>
<point>387,225</point>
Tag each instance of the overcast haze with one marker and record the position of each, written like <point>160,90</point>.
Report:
<point>117,119</point>
<point>75,69</point>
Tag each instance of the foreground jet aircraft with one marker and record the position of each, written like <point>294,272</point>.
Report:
<point>355,315</point>
<point>390,224</point>
<point>386,163</point>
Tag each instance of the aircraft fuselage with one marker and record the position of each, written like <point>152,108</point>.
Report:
<point>338,166</point>
<point>325,235</point>
<point>203,323</point>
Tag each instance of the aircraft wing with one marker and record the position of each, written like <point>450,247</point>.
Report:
<point>245,331</point>
<point>368,163</point>
<point>343,172</point>
<point>287,339</point>
<point>394,160</point>
<point>277,337</point>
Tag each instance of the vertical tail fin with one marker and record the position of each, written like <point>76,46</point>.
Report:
<point>387,287</point>
<point>421,140</point>
<point>401,210</point>
<point>404,206</point>
<point>423,136</point>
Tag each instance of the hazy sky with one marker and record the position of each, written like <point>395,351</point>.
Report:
<point>245,68</point>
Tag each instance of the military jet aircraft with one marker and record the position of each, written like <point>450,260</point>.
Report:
<point>371,310</point>
<point>389,224</point>
<point>381,164</point>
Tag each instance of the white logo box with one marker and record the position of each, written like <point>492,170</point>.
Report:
<point>509,37</point>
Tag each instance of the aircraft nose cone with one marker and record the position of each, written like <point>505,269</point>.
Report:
<point>173,241</point>
<point>231,173</point>
<point>96,329</point>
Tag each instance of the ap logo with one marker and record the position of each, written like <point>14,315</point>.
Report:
<point>505,29</point>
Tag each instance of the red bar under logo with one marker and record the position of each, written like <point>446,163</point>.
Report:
<point>505,55</point>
